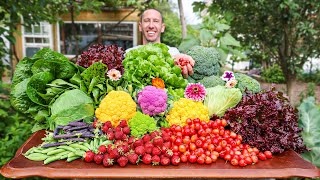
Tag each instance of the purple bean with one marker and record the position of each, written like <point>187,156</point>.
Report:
<point>65,128</point>
<point>77,124</point>
<point>64,136</point>
<point>78,128</point>
<point>88,135</point>
<point>53,144</point>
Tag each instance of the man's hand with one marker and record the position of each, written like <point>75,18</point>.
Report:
<point>186,63</point>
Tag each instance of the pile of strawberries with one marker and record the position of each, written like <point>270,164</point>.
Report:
<point>197,142</point>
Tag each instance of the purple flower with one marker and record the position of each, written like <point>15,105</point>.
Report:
<point>227,76</point>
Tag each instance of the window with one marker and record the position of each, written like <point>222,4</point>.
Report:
<point>36,37</point>
<point>88,33</point>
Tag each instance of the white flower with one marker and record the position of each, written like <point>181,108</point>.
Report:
<point>232,83</point>
<point>114,74</point>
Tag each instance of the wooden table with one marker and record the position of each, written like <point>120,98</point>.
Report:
<point>286,165</point>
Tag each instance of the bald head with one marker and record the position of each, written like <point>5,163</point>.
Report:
<point>156,11</point>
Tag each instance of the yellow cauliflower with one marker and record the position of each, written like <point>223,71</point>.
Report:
<point>116,106</point>
<point>187,108</point>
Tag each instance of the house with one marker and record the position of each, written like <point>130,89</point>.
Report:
<point>91,29</point>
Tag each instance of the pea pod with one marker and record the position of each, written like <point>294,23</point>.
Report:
<point>79,146</point>
<point>56,151</point>
<point>79,153</point>
<point>67,148</point>
<point>37,157</point>
<point>46,150</point>
<point>31,150</point>
<point>87,145</point>
<point>51,159</point>
<point>73,158</point>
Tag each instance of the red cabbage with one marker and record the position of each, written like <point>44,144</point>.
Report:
<point>267,121</point>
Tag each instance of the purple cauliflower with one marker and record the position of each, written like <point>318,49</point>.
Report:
<point>152,100</point>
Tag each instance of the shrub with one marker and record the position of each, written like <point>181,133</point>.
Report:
<point>273,74</point>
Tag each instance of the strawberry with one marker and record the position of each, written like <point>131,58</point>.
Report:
<point>98,158</point>
<point>158,141</point>
<point>125,148</point>
<point>110,147</point>
<point>155,160</point>
<point>168,153</point>
<point>154,134</point>
<point>110,135</point>
<point>167,144</point>
<point>122,161</point>
<point>114,154</point>
<point>118,135</point>
<point>165,161</point>
<point>126,130</point>
<point>166,138</point>
<point>156,151</point>
<point>146,138</point>
<point>123,123</point>
<point>175,160</point>
<point>138,142</point>
<point>146,159</point>
<point>148,147</point>
<point>118,129</point>
<point>108,124</point>
<point>102,149</point>
<point>130,140</point>
<point>139,150</point>
<point>118,142</point>
<point>107,161</point>
<point>88,156</point>
<point>133,158</point>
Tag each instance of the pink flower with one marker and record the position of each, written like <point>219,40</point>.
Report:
<point>227,76</point>
<point>195,91</point>
<point>114,74</point>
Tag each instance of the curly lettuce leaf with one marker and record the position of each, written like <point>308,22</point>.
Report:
<point>219,99</point>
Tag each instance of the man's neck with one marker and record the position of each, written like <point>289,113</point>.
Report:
<point>144,42</point>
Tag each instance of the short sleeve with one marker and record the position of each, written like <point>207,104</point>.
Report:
<point>173,51</point>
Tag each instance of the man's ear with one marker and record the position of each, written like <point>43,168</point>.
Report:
<point>163,27</point>
<point>140,27</point>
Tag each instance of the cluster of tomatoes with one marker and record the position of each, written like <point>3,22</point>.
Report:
<point>204,142</point>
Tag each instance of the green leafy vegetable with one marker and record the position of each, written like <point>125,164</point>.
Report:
<point>219,99</point>
<point>23,70</point>
<point>37,84</point>
<point>60,69</point>
<point>247,82</point>
<point>309,120</point>
<point>71,105</point>
<point>19,98</point>
<point>151,61</point>
<point>47,53</point>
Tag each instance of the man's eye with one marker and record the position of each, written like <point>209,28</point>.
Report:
<point>146,20</point>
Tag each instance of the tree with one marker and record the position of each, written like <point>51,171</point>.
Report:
<point>288,31</point>
<point>182,20</point>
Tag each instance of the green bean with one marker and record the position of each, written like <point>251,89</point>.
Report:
<point>51,159</point>
<point>64,156</point>
<point>62,153</point>
<point>106,142</point>
<point>56,151</point>
<point>46,150</point>
<point>29,151</point>
<point>38,150</point>
<point>68,148</point>
<point>87,145</point>
<point>71,154</point>
<point>79,153</point>
<point>73,158</point>
<point>37,157</point>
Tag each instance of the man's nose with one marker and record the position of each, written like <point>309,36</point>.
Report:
<point>151,24</point>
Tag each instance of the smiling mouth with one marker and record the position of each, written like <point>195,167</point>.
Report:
<point>151,33</point>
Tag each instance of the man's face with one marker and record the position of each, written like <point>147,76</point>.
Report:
<point>151,26</point>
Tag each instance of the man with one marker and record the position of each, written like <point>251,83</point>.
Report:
<point>151,26</point>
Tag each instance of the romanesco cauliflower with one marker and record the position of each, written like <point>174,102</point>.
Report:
<point>186,108</point>
<point>207,61</point>
<point>141,124</point>
<point>152,100</point>
<point>116,106</point>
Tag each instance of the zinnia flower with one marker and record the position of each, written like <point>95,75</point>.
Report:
<point>157,82</point>
<point>232,83</point>
<point>114,74</point>
<point>227,76</point>
<point>195,91</point>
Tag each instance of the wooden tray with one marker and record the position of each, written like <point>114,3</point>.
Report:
<point>286,165</point>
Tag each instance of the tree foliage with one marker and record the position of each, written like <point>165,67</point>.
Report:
<point>287,31</point>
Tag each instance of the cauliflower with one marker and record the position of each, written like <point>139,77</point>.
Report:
<point>116,106</point>
<point>152,100</point>
<point>141,124</point>
<point>207,61</point>
<point>186,108</point>
<point>248,82</point>
<point>212,81</point>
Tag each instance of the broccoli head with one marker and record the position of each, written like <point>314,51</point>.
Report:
<point>248,82</point>
<point>207,61</point>
<point>212,81</point>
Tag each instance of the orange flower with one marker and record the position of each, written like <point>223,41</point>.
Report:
<point>157,82</point>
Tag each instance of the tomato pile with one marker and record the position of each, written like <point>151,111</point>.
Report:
<point>203,143</point>
<point>197,142</point>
